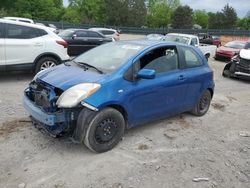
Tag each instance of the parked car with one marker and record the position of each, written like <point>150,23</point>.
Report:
<point>82,40</point>
<point>119,85</point>
<point>229,50</point>
<point>26,46</point>
<point>110,33</point>
<point>239,66</point>
<point>155,36</point>
<point>26,20</point>
<point>193,40</point>
<point>206,38</point>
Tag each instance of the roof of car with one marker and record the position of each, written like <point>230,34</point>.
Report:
<point>102,28</point>
<point>147,43</point>
<point>24,24</point>
<point>181,34</point>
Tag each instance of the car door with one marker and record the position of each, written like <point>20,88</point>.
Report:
<point>79,43</point>
<point>2,46</point>
<point>23,44</point>
<point>195,71</point>
<point>165,94</point>
<point>95,39</point>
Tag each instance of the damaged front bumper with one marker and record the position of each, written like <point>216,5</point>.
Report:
<point>55,123</point>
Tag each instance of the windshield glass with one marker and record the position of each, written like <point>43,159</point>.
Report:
<point>66,33</point>
<point>109,57</point>
<point>176,38</point>
<point>235,44</point>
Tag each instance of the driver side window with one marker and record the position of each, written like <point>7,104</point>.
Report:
<point>162,60</point>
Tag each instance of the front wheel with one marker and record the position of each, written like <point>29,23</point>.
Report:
<point>105,130</point>
<point>203,104</point>
<point>45,63</point>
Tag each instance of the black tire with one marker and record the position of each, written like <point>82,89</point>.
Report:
<point>207,56</point>
<point>203,104</point>
<point>105,130</point>
<point>46,62</point>
<point>226,73</point>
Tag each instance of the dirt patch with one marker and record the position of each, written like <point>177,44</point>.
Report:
<point>231,99</point>
<point>183,122</point>
<point>218,106</point>
<point>13,126</point>
<point>143,147</point>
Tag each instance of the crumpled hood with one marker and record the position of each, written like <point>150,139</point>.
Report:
<point>64,77</point>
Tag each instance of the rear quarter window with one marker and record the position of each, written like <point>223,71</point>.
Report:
<point>191,58</point>
<point>105,32</point>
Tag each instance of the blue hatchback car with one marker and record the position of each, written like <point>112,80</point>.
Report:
<point>116,86</point>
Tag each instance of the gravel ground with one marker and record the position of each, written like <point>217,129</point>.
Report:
<point>174,152</point>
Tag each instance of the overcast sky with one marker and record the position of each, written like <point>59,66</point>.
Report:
<point>241,6</point>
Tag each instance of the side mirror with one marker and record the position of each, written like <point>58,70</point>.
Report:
<point>146,74</point>
<point>73,36</point>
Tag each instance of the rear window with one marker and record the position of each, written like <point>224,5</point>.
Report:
<point>23,32</point>
<point>191,58</point>
<point>107,32</point>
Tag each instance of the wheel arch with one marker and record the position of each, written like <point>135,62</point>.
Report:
<point>122,110</point>
<point>46,54</point>
<point>211,92</point>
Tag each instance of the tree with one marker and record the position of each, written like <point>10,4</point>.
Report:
<point>230,17</point>
<point>226,19</point>
<point>182,18</point>
<point>71,15</point>
<point>244,23</point>
<point>172,4</point>
<point>3,12</point>
<point>159,15</point>
<point>216,20</point>
<point>91,11</point>
<point>137,12</point>
<point>201,17</point>
<point>39,9</point>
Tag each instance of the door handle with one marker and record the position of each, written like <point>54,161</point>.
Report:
<point>38,44</point>
<point>182,77</point>
<point>100,40</point>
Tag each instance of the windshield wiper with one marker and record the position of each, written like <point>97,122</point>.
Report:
<point>86,65</point>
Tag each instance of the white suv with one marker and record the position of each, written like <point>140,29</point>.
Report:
<point>25,46</point>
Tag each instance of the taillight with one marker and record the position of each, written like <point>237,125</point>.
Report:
<point>63,43</point>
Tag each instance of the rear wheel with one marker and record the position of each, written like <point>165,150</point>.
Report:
<point>203,104</point>
<point>105,130</point>
<point>46,63</point>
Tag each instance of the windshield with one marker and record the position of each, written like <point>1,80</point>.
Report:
<point>177,38</point>
<point>66,33</point>
<point>109,57</point>
<point>235,44</point>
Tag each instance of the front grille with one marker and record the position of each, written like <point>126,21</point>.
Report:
<point>43,96</point>
<point>243,66</point>
<point>244,63</point>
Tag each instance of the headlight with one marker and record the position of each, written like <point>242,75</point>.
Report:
<point>74,95</point>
